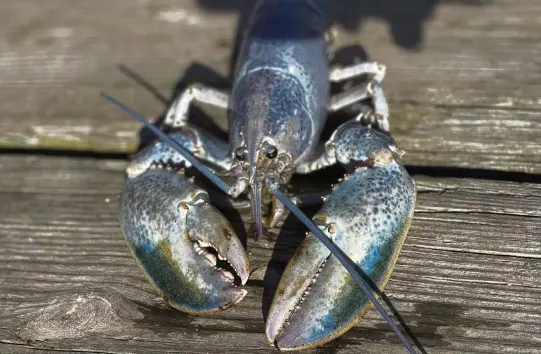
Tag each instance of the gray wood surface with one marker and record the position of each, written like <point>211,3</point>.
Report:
<point>463,76</point>
<point>463,82</point>
<point>467,280</point>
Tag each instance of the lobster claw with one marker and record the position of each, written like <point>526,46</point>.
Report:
<point>187,249</point>
<point>367,216</point>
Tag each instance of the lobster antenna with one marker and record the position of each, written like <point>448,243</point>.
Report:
<point>132,74</point>
<point>350,266</point>
<point>185,153</point>
<point>272,185</point>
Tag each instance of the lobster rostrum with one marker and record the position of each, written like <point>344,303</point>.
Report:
<point>277,108</point>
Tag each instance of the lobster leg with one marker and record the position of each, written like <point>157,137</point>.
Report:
<point>370,68</point>
<point>343,147</point>
<point>200,143</point>
<point>349,97</point>
<point>367,215</point>
<point>177,115</point>
<point>381,108</point>
<point>371,90</point>
<point>279,212</point>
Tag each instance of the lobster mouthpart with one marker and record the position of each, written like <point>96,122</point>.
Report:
<point>187,249</point>
<point>367,216</point>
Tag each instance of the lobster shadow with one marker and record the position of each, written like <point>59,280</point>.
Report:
<point>406,19</point>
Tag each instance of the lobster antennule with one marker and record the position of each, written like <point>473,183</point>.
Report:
<point>256,209</point>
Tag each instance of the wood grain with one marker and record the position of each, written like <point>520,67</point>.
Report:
<point>467,279</point>
<point>463,80</point>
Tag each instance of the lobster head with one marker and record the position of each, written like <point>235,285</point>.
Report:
<point>256,163</point>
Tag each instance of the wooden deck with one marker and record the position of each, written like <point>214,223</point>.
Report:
<point>464,85</point>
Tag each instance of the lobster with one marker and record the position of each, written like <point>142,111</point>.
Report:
<point>277,108</point>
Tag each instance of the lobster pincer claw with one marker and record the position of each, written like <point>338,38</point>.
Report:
<point>187,249</point>
<point>367,215</point>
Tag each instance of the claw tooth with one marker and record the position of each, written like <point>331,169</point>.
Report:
<point>221,257</point>
<point>204,244</point>
<point>211,258</point>
<point>360,168</point>
<point>228,275</point>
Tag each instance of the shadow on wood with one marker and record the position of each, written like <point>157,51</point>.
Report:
<point>406,19</point>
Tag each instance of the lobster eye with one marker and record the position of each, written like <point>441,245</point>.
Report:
<point>240,154</point>
<point>271,152</point>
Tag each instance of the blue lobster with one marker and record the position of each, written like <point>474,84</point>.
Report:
<point>278,107</point>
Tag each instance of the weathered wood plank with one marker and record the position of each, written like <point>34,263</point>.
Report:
<point>468,97</point>
<point>467,279</point>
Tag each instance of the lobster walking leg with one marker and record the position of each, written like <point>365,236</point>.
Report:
<point>344,147</point>
<point>381,108</point>
<point>279,212</point>
<point>372,90</point>
<point>349,97</point>
<point>177,116</point>
<point>371,68</point>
